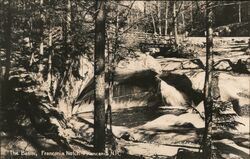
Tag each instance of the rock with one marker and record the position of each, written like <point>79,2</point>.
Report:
<point>119,131</point>
<point>142,62</point>
<point>189,65</point>
<point>170,122</point>
<point>198,80</point>
<point>200,108</point>
<point>171,66</point>
<point>223,66</point>
<point>244,127</point>
<point>85,74</point>
<point>228,149</point>
<point>231,86</point>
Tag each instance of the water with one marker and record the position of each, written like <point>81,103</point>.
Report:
<point>136,116</point>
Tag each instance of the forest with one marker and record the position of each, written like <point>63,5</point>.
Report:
<point>118,79</point>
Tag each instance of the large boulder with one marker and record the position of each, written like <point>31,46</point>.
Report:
<point>170,122</point>
<point>85,73</point>
<point>141,63</point>
<point>234,87</point>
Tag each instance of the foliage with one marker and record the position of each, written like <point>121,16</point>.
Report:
<point>224,117</point>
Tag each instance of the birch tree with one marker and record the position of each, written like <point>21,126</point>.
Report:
<point>159,16</point>
<point>239,11</point>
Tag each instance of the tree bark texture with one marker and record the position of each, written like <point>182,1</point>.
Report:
<point>166,19</point>
<point>175,24</point>
<point>208,100</point>
<point>99,73</point>
<point>159,16</point>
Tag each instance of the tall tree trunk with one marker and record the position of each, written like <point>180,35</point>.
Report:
<point>68,20</point>
<point>99,74</point>
<point>30,40</point>
<point>183,19</point>
<point>191,12</point>
<point>116,29</point>
<point>49,76</point>
<point>239,12</point>
<point>66,26</point>
<point>67,59</point>
<point>208,100</point>
<point>42,22</point>
<point>183,15</point>
<point>153,21</point>
<point>166,19</point>
<point>73,15</point>
<point>41,49</point>
<point>159,16</point>
<point>191,15</point>
<point>145,14</point>
<point>175,24</point>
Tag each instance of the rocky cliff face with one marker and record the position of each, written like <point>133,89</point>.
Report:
<point>174,82</point>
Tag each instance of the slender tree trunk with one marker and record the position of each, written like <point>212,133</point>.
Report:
<point>183,19</point>
<point>115,46</point>
<point>153,21</point>
<point>145,14</point>
<point>73,14</point>
<point>49,76</point>
<point>41,46</point>
<point>175,24</point>
<point>191,15</point>
<point>239,12</point>
<point>69,15</point>
<point>99,73</point>
<point>66,27</point>
<point>183,15</point>
<point>208,100</point>
<point>191,12</point>
<point>42,22</point>
<point>30,40</point>
<point>166,19</point>
<point>159,16</point>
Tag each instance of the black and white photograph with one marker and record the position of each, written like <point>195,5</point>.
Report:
<point>124,79</point>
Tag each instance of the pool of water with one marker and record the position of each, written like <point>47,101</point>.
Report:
<point>136,116</point>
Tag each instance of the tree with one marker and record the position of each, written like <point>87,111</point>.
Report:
<point>41,48</point>
<point>159,16</point>
<point>49,75</point>
<point>208,100</point>
<point>175,23</point>
<point>145,14</point>
<point>166,19</point>
<point>183,15</point>
<point>239,12</point>
<point>191,12</point>
<point>153,21</point>
<point>41,29</point>
<point>99,77</point>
